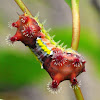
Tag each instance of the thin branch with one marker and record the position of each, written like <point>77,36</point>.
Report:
<point>76,25</point>
<point>23,7</point>
<point>78,93</point>
<point>75,39</point>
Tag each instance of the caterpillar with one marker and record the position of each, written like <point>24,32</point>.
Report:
<point>61,64</point>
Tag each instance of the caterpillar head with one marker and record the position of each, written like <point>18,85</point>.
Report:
<point>27,30</point>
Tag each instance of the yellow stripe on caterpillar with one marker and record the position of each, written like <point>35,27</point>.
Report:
<point>43,46</point>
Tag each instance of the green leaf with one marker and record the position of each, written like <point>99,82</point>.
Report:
<point>69,2</point>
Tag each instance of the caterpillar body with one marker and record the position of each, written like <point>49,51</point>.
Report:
<point>61,64</point>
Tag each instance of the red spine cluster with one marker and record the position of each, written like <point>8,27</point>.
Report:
<point>64,66</point>
<point>61,65</point>
<point>27,30</point>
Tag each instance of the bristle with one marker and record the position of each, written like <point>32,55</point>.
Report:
<point>18,14</point>
<point>74,86</point>
<point>10,24</point>
<point>49,30</point>
<point>8,40</point>
<point>61,44</point>
<point>65,46</point>
<point>44,22</point>
<point>24,19</point>
<point>41,66</point>
<point>52,37</point>
<point>58,42</point>
<point>37,15</point>
<point>53,90</point>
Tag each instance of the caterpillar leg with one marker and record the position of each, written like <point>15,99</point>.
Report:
<point>16,37</point>
<point>54,87</point>
<point>55,83</point>
<point>73,79</point>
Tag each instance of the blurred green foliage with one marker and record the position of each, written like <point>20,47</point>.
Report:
<point>18,68</point>
<point>69,2</point>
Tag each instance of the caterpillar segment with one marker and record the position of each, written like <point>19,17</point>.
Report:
<point>61,64</point>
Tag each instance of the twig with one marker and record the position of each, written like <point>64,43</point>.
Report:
<point>75,39</point>
<point>23,7</point>
<point>76,25</point>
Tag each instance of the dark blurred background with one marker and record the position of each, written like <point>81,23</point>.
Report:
<point>21,76</point>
